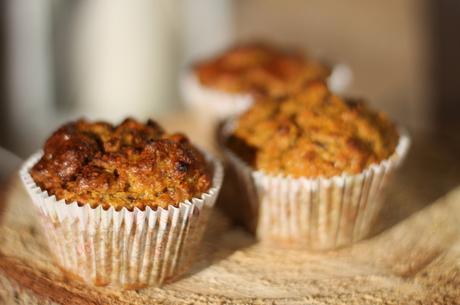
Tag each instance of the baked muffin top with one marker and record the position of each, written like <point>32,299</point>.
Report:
<point>259,69</point>
<point>313,133</point>
<point>129,165</point>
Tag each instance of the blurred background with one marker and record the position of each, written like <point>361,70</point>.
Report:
<point>111,58</point>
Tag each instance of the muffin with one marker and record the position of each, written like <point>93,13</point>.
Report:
<point>314,166</point>
<point>227,84</point>
<point>122,205</point>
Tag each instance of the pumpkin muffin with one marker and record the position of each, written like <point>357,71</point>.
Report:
<point>313,166</point>
<point>228,84</point>
<point>129,165</point>
<point>123,205</point>
<point>258,69</point>
<point>313,133</point>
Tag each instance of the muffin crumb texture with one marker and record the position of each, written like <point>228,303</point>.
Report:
<point>260,70</point>
<point>313,133</point>
<point>129,165</point>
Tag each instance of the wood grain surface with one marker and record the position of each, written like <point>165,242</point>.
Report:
<point>413,257</point>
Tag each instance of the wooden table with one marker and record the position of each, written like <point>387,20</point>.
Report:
<point>413,258</point>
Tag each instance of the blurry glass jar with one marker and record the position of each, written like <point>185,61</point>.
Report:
<point>123,58</point>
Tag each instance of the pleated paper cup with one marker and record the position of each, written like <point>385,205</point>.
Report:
<point>217,105</point>
<point>128,249</point>
<point>314,213</point>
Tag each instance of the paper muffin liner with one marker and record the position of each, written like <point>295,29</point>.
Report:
<point>129,249</point>
<point>314,213</point>
<point>218,105</point>
<point>340,79</point>
<point>215,104</point>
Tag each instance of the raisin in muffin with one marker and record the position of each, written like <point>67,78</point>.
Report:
<point>128,165</point>
<point>122,205</point>
<point>314,166</point>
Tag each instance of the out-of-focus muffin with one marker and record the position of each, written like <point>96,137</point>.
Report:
<point>227,84</point>
<point>259,69</point>
<point>314,166</point>
<point>122,205</point>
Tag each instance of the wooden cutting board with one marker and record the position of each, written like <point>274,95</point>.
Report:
<point>413,258</point>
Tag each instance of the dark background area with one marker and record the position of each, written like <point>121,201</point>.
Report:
<point>446,64</point>
<point>4,100</point>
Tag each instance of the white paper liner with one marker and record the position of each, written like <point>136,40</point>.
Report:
<point>218,105</point>
<point>129,249</point>
<point>315,213</point>
<point>340,79</point>
<point>215,104</point>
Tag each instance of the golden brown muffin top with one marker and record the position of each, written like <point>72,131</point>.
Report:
<point>129,165</point>
<point>259,69</point>
<point>313,133</point>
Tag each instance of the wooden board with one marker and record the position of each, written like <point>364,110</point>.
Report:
<point>415,259</point>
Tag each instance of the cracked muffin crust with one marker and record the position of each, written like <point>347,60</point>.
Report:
<point>129,165</point>
<point>260,70</point>
<point>313,133</point>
